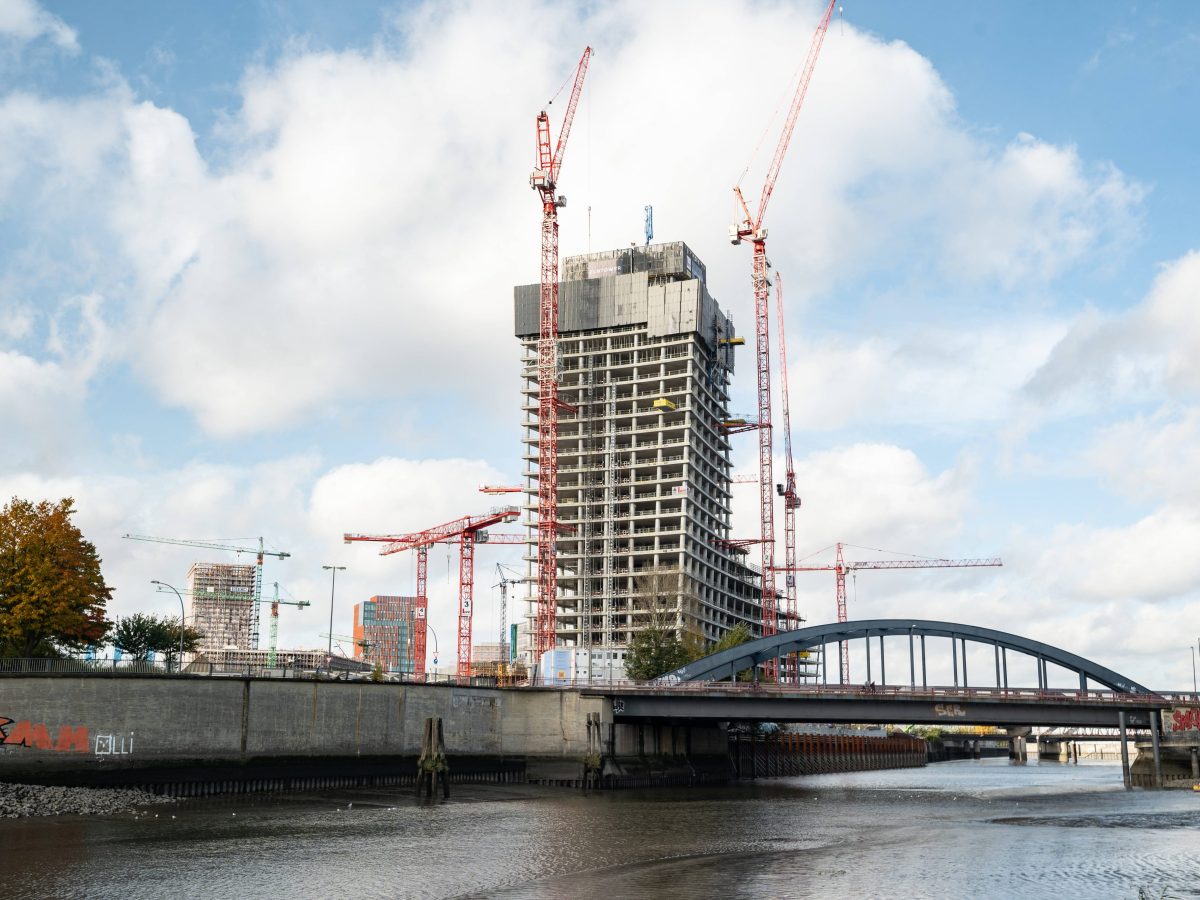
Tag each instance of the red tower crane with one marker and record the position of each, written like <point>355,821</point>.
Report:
<point>787,490</point>
<point>751,228</point>
<point>840,567</point>
<point>544,180</point>
<point>465,531</point>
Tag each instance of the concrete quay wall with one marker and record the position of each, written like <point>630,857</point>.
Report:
<point>53,726</point>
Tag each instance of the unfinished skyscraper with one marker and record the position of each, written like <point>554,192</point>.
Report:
<point>222,600</point>
<point>645,355</point>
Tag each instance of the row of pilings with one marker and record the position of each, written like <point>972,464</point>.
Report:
<point>784,754</point>
<point>212,785</point>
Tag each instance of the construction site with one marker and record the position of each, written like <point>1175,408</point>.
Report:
<point>622,502</point>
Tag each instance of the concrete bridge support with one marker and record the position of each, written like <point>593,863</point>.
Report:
<point>1017,750</point>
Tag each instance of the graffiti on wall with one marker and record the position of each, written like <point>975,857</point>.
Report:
<point>66,738</point>
<point>1182,718</point>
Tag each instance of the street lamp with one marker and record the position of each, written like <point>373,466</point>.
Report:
<point>181,617</point>
<point>1194,689</point>
<point>333,571</point>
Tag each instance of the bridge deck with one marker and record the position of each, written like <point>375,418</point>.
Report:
<point>726,701</point>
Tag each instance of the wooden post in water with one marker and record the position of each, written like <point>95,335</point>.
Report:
<point>431,764</point>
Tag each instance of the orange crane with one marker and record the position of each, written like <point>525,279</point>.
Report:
<point>840,567</point>
<point>544,180</point>
<point>466,531</point>
<point>751,228</point>
<point>213,545</point>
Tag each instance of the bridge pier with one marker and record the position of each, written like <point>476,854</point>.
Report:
<point>1124,751</point>
<point>1154,725</point>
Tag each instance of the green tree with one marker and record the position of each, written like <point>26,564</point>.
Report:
<point>734,637</point>
<point>653,652</point>
<point>140,635</point>
<point>656,647</point>
<point>135,635</point>
<point>52,592</point>
<point>166,638</point>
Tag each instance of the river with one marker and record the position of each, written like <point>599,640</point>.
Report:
<point>959,829</point>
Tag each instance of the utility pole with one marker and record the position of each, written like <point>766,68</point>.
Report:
<point>332,587</point>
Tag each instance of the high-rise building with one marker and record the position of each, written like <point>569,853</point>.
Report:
<point>383,632</point>
<point>645,354</point>
<point>222,602</point>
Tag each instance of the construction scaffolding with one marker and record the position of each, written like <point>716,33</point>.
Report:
<point>643,462</point>
<point>223,607</point>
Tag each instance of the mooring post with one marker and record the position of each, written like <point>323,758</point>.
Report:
<point>1154,723</point>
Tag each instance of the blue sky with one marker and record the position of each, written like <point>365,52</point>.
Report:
<point>256,264</point>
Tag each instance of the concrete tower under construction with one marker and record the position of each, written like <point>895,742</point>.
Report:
<point>645,355</point>
<point>222,601</point>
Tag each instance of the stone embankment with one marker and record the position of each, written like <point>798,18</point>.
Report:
<point>21,800</point>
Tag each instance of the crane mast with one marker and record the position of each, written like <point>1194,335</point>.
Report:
<point>465,531</point>
<point>787,490</point>
<point>260,552</point>
<point>544,180</point>
<point>752,229</point>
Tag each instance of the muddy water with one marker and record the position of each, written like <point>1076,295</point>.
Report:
<point>961,829</point>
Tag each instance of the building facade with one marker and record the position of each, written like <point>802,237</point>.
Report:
<point>645,354</point>
<point>222,604</point>
<point>383,632</point>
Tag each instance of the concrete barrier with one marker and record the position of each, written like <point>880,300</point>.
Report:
<point>106,729</point>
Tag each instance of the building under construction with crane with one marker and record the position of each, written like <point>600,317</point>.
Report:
<point>223,604</point>
<point>645,356</point>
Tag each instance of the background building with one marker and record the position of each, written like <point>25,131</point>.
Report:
<point>645,353</point>
<point>222,604</point>
<point>383,632</point>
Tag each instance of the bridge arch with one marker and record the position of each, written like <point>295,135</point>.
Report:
<point>727,663</point>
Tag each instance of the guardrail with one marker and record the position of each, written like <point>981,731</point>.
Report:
<point>143,668</point>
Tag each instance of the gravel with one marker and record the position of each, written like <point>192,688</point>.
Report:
<point>20,800</point>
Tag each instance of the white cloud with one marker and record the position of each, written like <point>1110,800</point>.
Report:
<point>935,377</point>
<point>1155,457</point>
<point>1136,355</point>
<point>370,210</point>
<point>876,495</point>
<point>25,20</point>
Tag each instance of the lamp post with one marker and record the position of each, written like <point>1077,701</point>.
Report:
<point>183,616</point>
<point>333,585</point>
<point>429,628</point>
<point>1194,688</point>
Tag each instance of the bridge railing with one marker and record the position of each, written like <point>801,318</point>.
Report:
<point>932,692</point>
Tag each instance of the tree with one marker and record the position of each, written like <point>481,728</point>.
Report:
<point>734,637</point>
<point>140,635</point>
<point>52,592</point>
<point>657,648</point>
<point>653,652</point>
<point>135,635</point>
<point>166,638</point>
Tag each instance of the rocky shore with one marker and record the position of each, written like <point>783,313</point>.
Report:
<point>21,800</point>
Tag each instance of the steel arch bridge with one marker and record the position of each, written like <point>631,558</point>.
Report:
<point>727,663</point>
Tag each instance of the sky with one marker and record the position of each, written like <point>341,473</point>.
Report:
<point>257,258</point>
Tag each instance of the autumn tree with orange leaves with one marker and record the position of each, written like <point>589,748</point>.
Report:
<point>52,593</point>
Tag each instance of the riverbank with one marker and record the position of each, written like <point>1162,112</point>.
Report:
<point>20,801</point>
